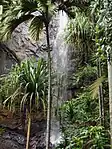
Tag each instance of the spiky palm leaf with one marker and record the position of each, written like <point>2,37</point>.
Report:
<point>26,83</point>
<point>5,3</point>
<point>36,24</point>
<point>34,80</point>
<point>17,12</point>
<point>8,28</point>
<point>94,88</point>
<point>79,30</point>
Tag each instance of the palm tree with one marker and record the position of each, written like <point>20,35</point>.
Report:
<point>107,25</point>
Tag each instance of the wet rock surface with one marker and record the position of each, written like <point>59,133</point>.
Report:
<point>24,46</point>
<point>12,139</point>
<point>9,144</point>
<point>12,135</point>
<point>16,139</point>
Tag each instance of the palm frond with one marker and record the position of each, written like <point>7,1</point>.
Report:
<point>34,80</point>
<point>95,86</point>
<point>1,11</point>
<point>36,27</point>
<point>28,5</point>
<point>8,27</point>
<point>26,83</point>
<point>79,30</point>
<point>43,3</point>
<point>5,3</point>
<point>23,101</point>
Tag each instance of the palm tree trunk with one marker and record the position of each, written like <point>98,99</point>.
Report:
<point>28,130</point>
<point>49,91</point>
<point>101,98</point>
<point>109,62</point>
<point>2,62</point>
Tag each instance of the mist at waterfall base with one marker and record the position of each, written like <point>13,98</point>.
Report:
<point>60,65</point>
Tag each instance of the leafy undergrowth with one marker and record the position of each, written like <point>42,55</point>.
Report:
<point>80,124</point>
<point>2,130</point>
<point>93,137</point>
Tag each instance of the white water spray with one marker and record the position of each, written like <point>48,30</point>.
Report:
<point>60,48</point>
<point>60,65</point>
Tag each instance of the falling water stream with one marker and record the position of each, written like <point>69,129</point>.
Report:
<point>60,65</point>
<point>60,59</point>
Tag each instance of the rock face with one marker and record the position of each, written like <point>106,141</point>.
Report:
<point>21,42</point>
<point>13,139</point>
<point>8,144</point>
<point>6,61</point>
<point>12,135</point>
<point>25,47</point>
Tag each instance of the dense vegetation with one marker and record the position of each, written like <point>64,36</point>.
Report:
<point>86,119</point>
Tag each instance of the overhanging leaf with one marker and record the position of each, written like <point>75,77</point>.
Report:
<point>8,27</point>
<point>95,86</point>
<point>36,26</point>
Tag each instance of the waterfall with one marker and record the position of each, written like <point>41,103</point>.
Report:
<point>60,48</point>
<point>60,57</point>
<point>60,65</point>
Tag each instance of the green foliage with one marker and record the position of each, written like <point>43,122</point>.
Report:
<point>102,11</point>
<point>94,137</point>
<point>95,86</point>
<point>9,85</point>
<point>81,110</point>
<point>26,84</point>
<point>36,24</point>
<point>80,33</point>
<point>88,32</point>
<point>84,76</point>
<point>17,12</point>
<point>79,121</point>
<point>79,29</point>
<point>2,130</point>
